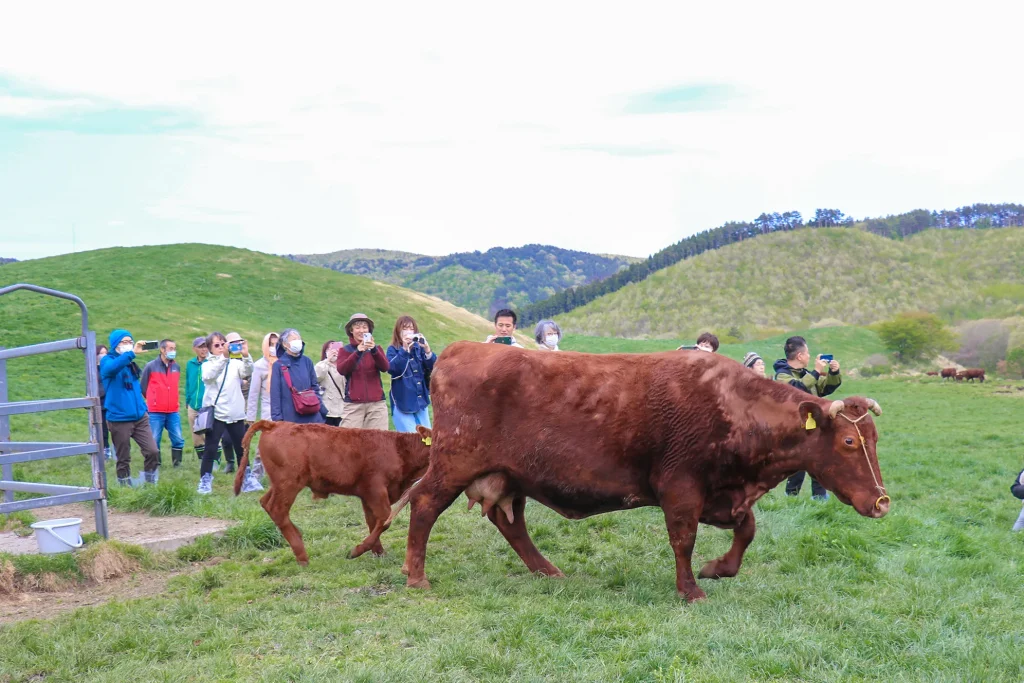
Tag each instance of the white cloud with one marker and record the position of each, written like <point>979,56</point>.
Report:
<point>463,126</point>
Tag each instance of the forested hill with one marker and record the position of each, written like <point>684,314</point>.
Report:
<point>900,226</point>
<point>482,282</point>
<point>809,278</point>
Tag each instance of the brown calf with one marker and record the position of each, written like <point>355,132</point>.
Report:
<point>971,374</point>
<point>948,373</point>
<point>375,466</point>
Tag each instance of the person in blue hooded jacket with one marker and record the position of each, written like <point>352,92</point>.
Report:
<point>410,362</point>
<point>127,413</point>
<point>300,369</point>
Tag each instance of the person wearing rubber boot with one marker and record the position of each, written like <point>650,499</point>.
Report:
<point>160,381</point>
<point>127,413</point>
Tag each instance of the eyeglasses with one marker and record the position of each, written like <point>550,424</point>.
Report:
<point>218,345</point>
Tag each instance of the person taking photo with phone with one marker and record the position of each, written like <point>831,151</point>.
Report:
<point>222,380</point>
<point>127,413</point>
<point>292,374</point>
<point>821,381</point>
<point>332,383</point>
<point>361,363</point>
<point>410,362</point>
<point>160,381</point>
<point>504,329</point>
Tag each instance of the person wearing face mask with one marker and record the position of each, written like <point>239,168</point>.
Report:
<point>101,351</point>
<point>410,362</point>
<point>292,371</point>
<point>127,413</point>
<point>194,389</point>
<point>222,377</point>
<point>361,363</point>
<point>160,381</point>
<point>547,334</point>
<point>332,382</point>
<point>259,385</point>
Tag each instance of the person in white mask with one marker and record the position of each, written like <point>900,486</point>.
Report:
<point>548,335</point>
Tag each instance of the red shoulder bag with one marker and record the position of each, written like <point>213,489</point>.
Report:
<point>306,402</point>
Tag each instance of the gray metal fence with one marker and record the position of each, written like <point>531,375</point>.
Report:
<point>12,452</point>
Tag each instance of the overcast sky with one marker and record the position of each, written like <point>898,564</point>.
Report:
<point>439,127</point>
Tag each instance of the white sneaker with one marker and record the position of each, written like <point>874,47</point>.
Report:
<point>205,485</point>
<point>251,483</point>
<point>1019,524</point>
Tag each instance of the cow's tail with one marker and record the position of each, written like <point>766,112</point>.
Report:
<point>261,426</point>
<point>401,503</point>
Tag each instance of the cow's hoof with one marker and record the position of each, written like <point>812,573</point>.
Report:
<point>694,594</point>
<point>379,552</point>
<point>421,583</point>
<point>553,573</point>
<point>715,570</point>
<point>303,563</point>
<point>355,552</point>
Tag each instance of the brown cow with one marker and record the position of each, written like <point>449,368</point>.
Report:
<point>971,374</point>
<point>375,466</point>
<point>948,373</point>
<point>961,376</point>
<point>696,434</point>
<point>932,373</point>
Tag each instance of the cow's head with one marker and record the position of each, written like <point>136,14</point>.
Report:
<point>842,439</point>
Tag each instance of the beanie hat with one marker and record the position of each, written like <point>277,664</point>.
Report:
<point>750,359</point>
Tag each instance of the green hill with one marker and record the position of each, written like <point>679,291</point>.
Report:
<point>481,282</point>
<point>829,276</point>
<point>184,291</point>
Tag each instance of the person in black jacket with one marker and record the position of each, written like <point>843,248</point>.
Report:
<point>1017,489</point>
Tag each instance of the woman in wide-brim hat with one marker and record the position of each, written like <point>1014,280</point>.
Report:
<point>362,363</point>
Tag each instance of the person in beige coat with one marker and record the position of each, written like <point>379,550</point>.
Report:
<point>332,382</point>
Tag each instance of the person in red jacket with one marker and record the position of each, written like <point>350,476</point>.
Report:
<point>361,362</point>
<point>159,380</point>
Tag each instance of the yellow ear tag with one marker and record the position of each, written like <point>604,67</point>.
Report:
<point>811,424</point>
<point>427,440</point>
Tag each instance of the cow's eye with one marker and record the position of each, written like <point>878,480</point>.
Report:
<point>849,441</point>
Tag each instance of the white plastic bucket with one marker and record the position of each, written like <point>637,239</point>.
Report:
<point>58,535</point>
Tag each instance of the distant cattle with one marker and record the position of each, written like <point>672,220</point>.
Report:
<point>932,374</point>
<point>971,374</point>
<point>695,434</point>
<point>948,373</point>
<point>960,376</point>
<point>375,466</point>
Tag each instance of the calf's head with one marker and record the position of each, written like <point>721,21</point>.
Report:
<point>841,443</point>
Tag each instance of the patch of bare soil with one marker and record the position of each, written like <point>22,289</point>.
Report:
<point>46,605</point>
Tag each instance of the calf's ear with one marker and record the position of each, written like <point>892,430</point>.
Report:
<point>812,416</point>
<point>423,431</point>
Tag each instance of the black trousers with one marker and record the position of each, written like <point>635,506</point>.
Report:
<point>795,482</point>
<point>234,431</point>
<point>333,421</point>
<point>106,432</point>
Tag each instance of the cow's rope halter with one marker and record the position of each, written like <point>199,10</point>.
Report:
<point>864,447</point>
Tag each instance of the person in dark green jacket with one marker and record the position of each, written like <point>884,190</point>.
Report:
<point>821,381</point>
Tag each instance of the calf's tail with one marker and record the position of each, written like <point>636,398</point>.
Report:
<point>401,503</point>
<point>261,426</point>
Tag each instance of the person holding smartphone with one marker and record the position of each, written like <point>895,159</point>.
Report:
<point>410,362</point>
<point>127,413</point>
<point>821,381</point>
<point>222,380</point>
<point>504,329</point>
<point>361,362</point>
<point>332,383</point>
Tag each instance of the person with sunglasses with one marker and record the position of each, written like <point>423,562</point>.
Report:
<point>222,379</point>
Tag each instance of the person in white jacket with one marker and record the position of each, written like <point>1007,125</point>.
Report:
<point>332,382</point>
<point>259,385</point>
<point>222,379</point>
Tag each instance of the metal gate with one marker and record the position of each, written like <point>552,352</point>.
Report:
<point>27,451</point>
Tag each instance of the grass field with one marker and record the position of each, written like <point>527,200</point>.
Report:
<point>928,593</point>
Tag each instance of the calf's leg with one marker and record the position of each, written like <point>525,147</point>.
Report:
<point>432,497</point>
<point>729,564</point>
<point>519,538</point>
<point>376,508</point>
<point>682,514</point>
<point>278,503</point>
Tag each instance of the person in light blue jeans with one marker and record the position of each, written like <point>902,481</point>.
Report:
<point>410,362</point>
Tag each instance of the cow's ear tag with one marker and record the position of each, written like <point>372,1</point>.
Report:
<point>811,424</point>
<point>426,440</point>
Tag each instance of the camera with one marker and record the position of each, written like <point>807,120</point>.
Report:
<point>418,339</point>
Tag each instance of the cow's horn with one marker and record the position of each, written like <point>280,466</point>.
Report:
<point>874,407</point>
<point>835,408</point>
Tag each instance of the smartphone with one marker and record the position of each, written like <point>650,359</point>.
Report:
<point>367,337</point>
<point>503,340</point>
<point>826,357</point>
<point>336,346</point>
<point>235,349</point>
<point>150,345</point>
